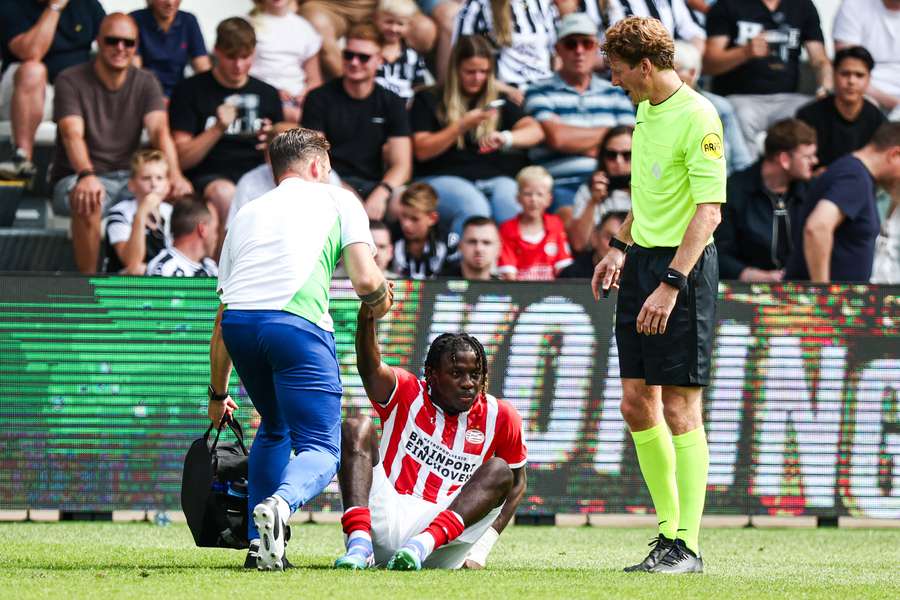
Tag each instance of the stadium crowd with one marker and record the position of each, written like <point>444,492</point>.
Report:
<point>483,137</point>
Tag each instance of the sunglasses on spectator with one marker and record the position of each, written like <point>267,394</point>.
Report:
<point>349,55</point>
<point>112,40</point>
<point>614,154</point>
<point>571,43</point>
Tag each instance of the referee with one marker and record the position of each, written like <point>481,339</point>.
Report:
<point>664,263</point>
<point>273,322</point>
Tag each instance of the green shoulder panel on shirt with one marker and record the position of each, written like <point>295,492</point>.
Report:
<point>311,300</point>
<point>678,162</point>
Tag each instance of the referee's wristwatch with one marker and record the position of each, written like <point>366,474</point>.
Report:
<point>618,244</point>
<point>675,279</point>
<point>215,397</point>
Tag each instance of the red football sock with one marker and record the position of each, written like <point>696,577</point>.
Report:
<point>357,518</point>
<point>446,527</point>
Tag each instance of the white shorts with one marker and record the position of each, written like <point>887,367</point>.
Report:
<point>398,517</point>
<point>7,85</point>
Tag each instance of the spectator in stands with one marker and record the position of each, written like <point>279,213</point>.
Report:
<point>221,118</point>
<point>384,247</point>
<point>524,37</point>
<point>688,63</point>
<point>886,266</point>
<point>195,237</point>
<point>601,235</point>
<point>469,138</point>
<point>609,189</point>
<point>602,12</point>
<point>138,228</point>
<point>403,68</point>
<point>674,15</point>
<point>844,121</point>
<point>534,244</point>
<point>367,125</point>
<point>575,108</point>
<point>39,39</point>
<point>834,238</point>
<point>754,237</point>
<point>753,54</point>
<point>169,40</point>
<point>334,18</point>
<point>874,24</point>
<point>479,249</point>
<point>100,109</point>
<point>421,252</point>
<point>287,54</point>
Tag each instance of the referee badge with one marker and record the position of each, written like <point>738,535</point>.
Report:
<point>711,144</point>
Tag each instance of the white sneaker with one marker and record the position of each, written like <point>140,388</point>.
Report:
<point>272,524</point>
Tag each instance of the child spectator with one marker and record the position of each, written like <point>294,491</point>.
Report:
<point>403,69</point>
<point>535,246</point>
<point>195,230</point>
<point>287,53</point>
<point>169,40</point>
<point>138,228</point>
<point>420,253</point>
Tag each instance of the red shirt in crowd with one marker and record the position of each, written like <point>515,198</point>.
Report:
<point>541,261</point>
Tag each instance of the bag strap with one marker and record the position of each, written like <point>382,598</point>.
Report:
<point>235,428</point>
<point>238,432</point>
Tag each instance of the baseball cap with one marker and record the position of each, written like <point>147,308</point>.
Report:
<point>576,23</point>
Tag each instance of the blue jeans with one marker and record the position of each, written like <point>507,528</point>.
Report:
<point>459,199</point>
<point>289,368</point>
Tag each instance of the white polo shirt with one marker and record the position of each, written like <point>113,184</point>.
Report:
<point>281,249</point>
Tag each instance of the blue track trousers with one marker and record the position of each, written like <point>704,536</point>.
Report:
<point>289,368</point>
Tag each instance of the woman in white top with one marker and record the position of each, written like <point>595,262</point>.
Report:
<point>608,189</point>
<point>287,53</point>
<point>522,31</point>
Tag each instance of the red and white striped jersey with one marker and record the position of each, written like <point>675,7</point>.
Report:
<point>431,455</point>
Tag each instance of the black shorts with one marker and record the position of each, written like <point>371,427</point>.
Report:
<point>682,355</point>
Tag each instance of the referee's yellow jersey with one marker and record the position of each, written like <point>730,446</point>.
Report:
<point>678,161</point>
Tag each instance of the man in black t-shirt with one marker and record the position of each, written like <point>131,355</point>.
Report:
<point>220,119</point>
<point>834,239</point>
<point>845,121</point>
<point>38,39</point>
<point>753,53</point>
<point>367,125</point>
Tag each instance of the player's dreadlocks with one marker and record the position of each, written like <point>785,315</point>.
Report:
<point>452,343</point>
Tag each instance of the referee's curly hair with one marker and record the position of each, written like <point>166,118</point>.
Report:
<point>636,38</point>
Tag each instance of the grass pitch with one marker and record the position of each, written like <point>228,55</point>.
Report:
<point>111,560</point>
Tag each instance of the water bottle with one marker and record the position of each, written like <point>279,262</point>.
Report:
<point>162,519</point>
<point>237,489</point>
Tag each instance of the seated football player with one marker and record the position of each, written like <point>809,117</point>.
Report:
<point>449,471</point>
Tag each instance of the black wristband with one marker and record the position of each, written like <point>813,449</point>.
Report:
<point>82,174</point>
<point>618,244</point>
<point>213,396</point>
<point>387,186</point>
<point>675,279</point>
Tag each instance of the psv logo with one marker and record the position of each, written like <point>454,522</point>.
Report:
<point>473,436</point>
